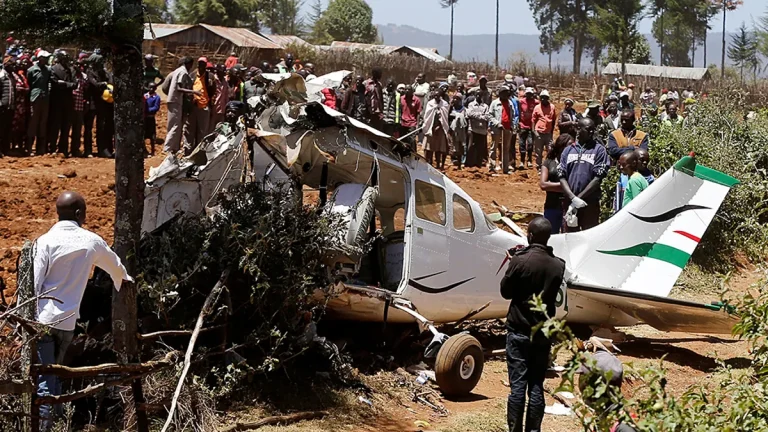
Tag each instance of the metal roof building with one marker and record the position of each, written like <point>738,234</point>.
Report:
<point>174,41</point>
<point>286,40</point>
<point>427,53</point>
<point>663,72</point>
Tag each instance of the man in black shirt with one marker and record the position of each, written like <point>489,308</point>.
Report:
<point>533,270</point>
<point>62,105</point>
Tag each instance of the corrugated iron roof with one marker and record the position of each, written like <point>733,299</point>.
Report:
<point>688,73</point>
<point>242,37</point>
<point>286,40</point>
<point>161,30</point>
<point>428,53</point>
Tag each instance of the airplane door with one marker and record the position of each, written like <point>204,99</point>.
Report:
<point>429,236</point>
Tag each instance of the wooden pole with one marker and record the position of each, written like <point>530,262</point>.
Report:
<point>25,291</point>
<point>128,22</point>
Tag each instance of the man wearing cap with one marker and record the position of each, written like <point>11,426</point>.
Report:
<point>179,85</point>
<point>544,115</point>
<point>527,105</point>
<point>231,61</point>
<point>61,106</point>
<point>504,114</point>
<point>152,74</point>
<point>39,78</point>
<point>200,114</point>
<point>286,65</point>
<point>625,102</point>
<point>483,92</point>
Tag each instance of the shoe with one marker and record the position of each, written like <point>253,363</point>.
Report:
<point>76,154</point>
<point>521,167</point>
<point>530,165</point>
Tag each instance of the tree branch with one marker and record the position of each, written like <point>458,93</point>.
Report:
<point>210,301</point>
<point>107,368</point>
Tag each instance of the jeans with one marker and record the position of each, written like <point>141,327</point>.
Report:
<point>555,217</point>
<point>527,363</point>
<point>539,144</point>
<point>526,145</point>
<point>50,350</point>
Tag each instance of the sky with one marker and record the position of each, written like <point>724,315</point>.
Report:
<point>478,16</point>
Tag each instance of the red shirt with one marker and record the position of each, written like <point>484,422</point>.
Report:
<point>410,112</point>
<point>526,113</point>
<point>231,62</point>
<point>506,115</point>
<point>544,118</point>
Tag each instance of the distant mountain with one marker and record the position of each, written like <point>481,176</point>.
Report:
<point>481,47</point>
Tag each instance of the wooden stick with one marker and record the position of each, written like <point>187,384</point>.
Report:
<point>210,301</point>
<point>106,368</point>
<point>471,314</point>
<point>159,334</point>
<point>282,420</point>
<point>91,389</point>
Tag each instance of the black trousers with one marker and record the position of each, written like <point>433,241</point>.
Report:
<point>6,120</point>
<point>59,124</point>
<point>105,127</point>
<point>527,363</point>
<point>89,115</point>
<point>526,145</point>
<point>77,131</point>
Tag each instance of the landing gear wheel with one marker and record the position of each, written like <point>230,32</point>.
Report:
<point>459,365</point>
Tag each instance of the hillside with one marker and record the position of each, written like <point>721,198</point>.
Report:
<point>481,47</point>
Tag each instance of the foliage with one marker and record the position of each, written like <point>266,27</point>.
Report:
<point>157,11</point>
<point>230,13</point>
<point>736,402</point>
<point>743,51</point>
<point>283,17</point>
<point>762,34</point>
<point>616,26</point>
<point>672,30</point>
<point>346,20</point>
<point>52,22</point>
<point>716,131</point>
<point>638,53</point>
<point>275,250</point>
<point>315,32</point>
<point>565,21</point>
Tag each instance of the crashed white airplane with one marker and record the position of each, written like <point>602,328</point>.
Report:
<point>439,258</point>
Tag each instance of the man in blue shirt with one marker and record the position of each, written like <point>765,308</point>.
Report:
<point>151,107</point>
<point>583,165</point>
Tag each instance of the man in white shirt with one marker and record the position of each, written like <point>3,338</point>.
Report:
<point>64,259</point>
<point>176,86</point>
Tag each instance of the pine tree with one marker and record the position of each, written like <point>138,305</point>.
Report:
<point>283,17</point>
<point>725,5</point>
<point>228,13</point>
<point>566,20</point>
<point>743,50</point>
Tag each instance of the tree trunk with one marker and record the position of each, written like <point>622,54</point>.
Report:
<point>450,55</point>
<point>497,35</point>
<point>705,48</point>
<point>722,63</point>
<point>624,61</point>
<point>129,181</point>
<point>661,39</point>
<point>693,52</point>
<point>577,50</point>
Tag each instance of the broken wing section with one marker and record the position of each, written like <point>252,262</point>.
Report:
<point>664,313</point>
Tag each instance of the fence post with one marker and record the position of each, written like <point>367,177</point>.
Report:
<point>26,290</point>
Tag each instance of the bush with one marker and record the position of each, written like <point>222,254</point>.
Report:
<point>274,248</point>
<point>733,403</point>
<point>717,132</point>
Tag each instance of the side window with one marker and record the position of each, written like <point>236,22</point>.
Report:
<point>430,202</point>
<point>462,215</point>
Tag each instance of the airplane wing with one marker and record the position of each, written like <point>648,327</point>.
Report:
<point>664,313</point>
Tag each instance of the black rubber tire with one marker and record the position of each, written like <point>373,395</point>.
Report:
<point>449,361</point>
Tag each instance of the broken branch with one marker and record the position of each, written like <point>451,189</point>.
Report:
<point>159,334</point>
<point>107,368</point>
<point>281,420</point>
<point>205,311</point>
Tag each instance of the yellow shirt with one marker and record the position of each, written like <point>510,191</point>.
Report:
<point>202,100</point>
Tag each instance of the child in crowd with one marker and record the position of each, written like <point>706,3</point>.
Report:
<point>151,107</point>
<point>636,183</point>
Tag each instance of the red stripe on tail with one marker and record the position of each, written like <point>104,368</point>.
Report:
<point>689,235</point>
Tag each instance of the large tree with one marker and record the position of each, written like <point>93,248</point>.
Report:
<point>674,30</point>
<point>725,6</point>
<point>743,50</point>
<point>450,4</point>
<point>229,13</point>
<point>158,11</point>
<point>638,53</point>
<point>761,33</point>
<point>348,21</point>
<point>117,27</point>
<point>566,20</point>
<point>616,26</point>
<point>283,17</point>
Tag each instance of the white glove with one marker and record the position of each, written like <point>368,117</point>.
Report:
<point>578,203</point>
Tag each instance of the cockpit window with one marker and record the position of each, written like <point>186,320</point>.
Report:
<point>430,202</point>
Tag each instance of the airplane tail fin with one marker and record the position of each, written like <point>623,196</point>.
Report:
<point>645,246</point>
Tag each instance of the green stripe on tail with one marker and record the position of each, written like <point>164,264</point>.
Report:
<point>689,166</point>
<point>657,251</point>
